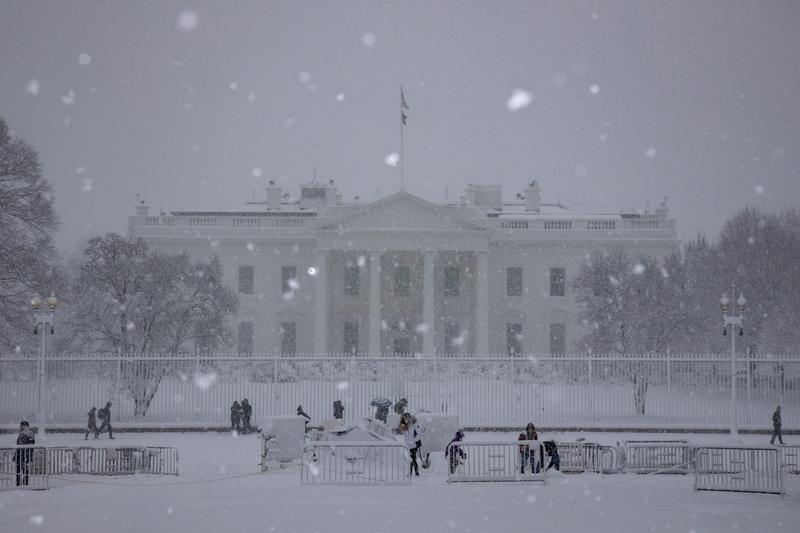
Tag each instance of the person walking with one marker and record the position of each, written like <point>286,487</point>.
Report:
<point>247,411</point>
<point>104,415</point>
<point>776,426</point>
<point>408,427</point>
<point>236,417</point>
<point>91,424</point>
<point>24,456</point>
<point>453,452</point>
<point>525,453</point>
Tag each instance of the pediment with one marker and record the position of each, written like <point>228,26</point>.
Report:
<point>403,211</point>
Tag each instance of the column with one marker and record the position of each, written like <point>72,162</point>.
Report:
<point>428,293</point>
<point>482,307</point>
<point>374,304</point>
<point>321,304</point>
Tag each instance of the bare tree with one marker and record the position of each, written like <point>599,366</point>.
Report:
<point>143,304</point>
<point>27,222</point>
<point>633,307</point>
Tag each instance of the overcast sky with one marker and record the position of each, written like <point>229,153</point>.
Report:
<point>193,104</point>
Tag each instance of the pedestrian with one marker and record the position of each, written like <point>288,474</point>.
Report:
<point>104,415</point>
<point>236,416</point>
<point>24,456</point>
<point>338,410</point>
<point>776,426</point>
<point>408,427</point>
<point>302,413</point>
<point>552,450</point>
<point>91,424</point>
<point>527,455</point>
<point>247,411</point>
<point>453,452</point>
<point>400,406</point>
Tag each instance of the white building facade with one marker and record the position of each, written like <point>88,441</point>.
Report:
<point>403,275</point>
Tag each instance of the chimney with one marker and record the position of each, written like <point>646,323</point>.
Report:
<point>274,195</point>
<point>532,197</point>
<point>141,207</point>
<point>662,211</point>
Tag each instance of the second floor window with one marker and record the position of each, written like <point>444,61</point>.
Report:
<point>452,281</point>
<point>246,279</point>
<point>351,280</point>
<point>288,279</point>
<point>557,282</point>
<point>402,280</point>
<point>514,281</point>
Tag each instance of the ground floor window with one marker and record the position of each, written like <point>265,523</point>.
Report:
<point>246,337</point>
<point>558,338</point>
<point>513,338</point>
<point>350,337</point>
<point>288,338</point>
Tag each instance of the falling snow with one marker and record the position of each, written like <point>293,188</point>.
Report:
<point>519,99</point>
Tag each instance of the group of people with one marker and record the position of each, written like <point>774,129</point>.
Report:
<point>104,414</point>
<point>240,416</point>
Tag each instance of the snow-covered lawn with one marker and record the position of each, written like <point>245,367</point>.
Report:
<point>221,489</point>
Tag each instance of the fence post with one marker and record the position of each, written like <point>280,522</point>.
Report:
<point>196,389</point>
<point>669,389</point>
<point>590,396</point>
<point>118,391</point>
<point>748,361</point>
<point>274,407</point>
<point>438,392</point>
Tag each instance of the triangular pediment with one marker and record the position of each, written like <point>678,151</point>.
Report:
<point>404,211</point>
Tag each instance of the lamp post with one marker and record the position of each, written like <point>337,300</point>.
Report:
<point>43,318</point>
<point>733,320</point>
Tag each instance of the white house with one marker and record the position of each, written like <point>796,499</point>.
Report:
<point>401,274</point>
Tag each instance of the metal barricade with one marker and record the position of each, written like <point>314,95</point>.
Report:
<point>790,458</point>
<point>577,457</point>
<point>660,457</point>
<point>159,460</point>
<point>355,463</point>
<point>108,461</point>
<point>499,461</point>
<point>738,469</point>
<point>23,467</point>
<point>62,460</point>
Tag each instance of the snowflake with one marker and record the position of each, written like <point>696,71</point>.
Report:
<point>519,99</point>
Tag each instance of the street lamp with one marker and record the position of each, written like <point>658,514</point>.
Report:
<point>735,322</point>
<point>43,318</point>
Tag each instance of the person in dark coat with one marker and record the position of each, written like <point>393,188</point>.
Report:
<point>338,409</point>
<point>104,415</point>
<point>247,411</point>
<point>453,452</point>
<point>552,450</point>
<point>400,406</point>
<point>24,456</point>
<point>236,416</point>
<point>91,424</point>
<point>525,453</point>
<point>776,426</point>
<point>300,412</point>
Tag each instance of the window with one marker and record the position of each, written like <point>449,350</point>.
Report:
<point>452,337</point>
<point>351,337</point>
<point>514,338</point>
<point>558,338</point>
<point>514,281</point>
<point>402,280</point>
<point>452,282</point>
<point>246,279</point>
<point>401,345</point>
<point>288,338</point>
<point>288,279</point>
<point>351,280</point>
<point>557,282</point>
<point>246,337</point>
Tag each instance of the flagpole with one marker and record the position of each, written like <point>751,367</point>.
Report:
<point>402,154</point>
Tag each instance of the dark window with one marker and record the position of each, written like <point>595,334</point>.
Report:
<point>558,338</point>
<point>514,281</point>
<point>246,279</point>
<point>514,338</point>
<point>246,337</point>
<point>402,280</point>
<point>452,281</point>
<point>557,282</point>
<point>351,337</point>
<point>288,279</point>
<point>351,280</point>
<point>452,337</point>
<point>288,338</point>
<point>401,345</point>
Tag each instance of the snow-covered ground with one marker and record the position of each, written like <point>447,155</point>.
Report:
<point>221,489</point>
